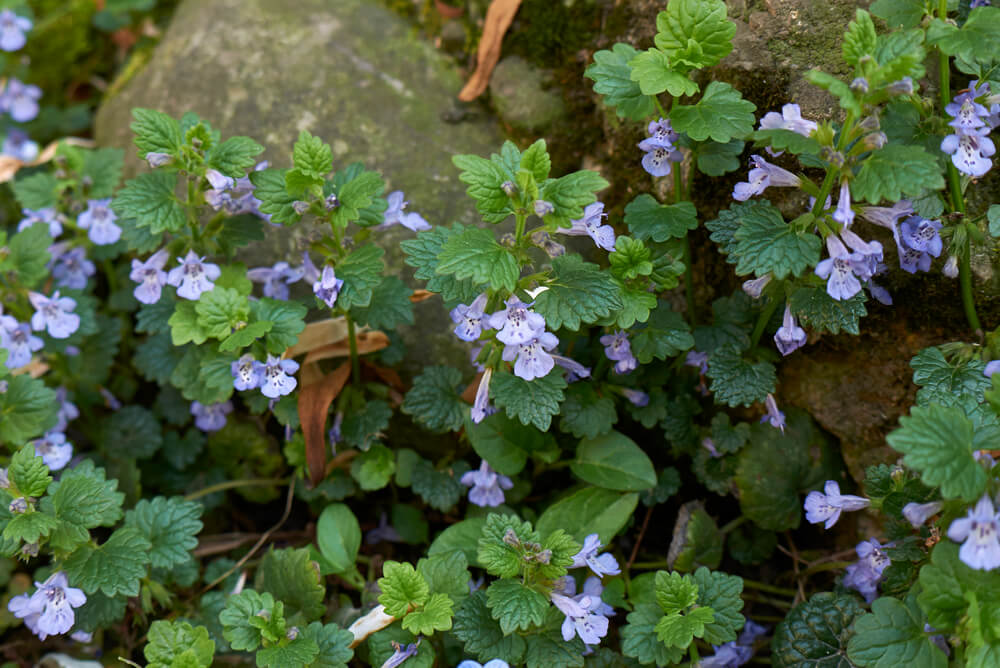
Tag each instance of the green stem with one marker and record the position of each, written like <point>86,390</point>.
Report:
<point>352,342</point>
<point>771,589</point>
<point>693,652</point>
<point>230,484</point>
<point>732,525</point>
<point>519,230</point>
<point>762,320</point>
<point>646,565</point>
<point>965,280</point>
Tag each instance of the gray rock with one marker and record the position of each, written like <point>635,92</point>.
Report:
<point>521,98</point>
<point>350,72</point>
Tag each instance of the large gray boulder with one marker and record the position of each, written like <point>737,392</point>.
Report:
<point>348,71</point>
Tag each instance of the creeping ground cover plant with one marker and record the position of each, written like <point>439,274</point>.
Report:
<point>212,460</point>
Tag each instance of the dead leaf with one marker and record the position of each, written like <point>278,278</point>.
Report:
<point>448,11</point>
<point>386,375</point>
<point>421,295</point>
<point>498,19</point>
<point>469,395</point>
<point>314,404</point>
<point>368,342</point>
<point>318,334</point>
<point>9,165</point>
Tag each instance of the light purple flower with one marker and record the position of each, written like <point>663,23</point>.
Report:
<point>401,653</point>
<point>70,268</point>
<point>773,416</point>
<point>790,118</point>
<point>468,319</point>
<point>865,574</point>
<point>275,380</point>
<point>762,175</point>
<point>20,100</point>
<point>738,652</point>
<point>328,286</point>
<point>659,148</point>
<point>950,268</point>
<point>991,368</point>
<point>276,279</point>
<point>789,337</point>
<point>618,349</point>
<point>481,406</point>
<point>492,663</point>
<point>54,450</point>
<point>922,235</point>
<point>591,225</point>
<point>576,370</point>
<point>887,217</point>
<point>839,269</point>
<point>235,196</point>
<point>543,208</point>
<point>395,214</point>
<point>544,240</point>
<point>754,288</point>
<point>580,619</point>
<point>486,486</point>
<point>211,417</point>
<point>979,533</point>
<point>193,277</point>
<point>844,214</point>
<point>12,29</point>
<point>49,611</point>
<point>866,256</point>
<point>697,359</point>
<point>709,445</point>
<point>970,153</point>
<point>966,112</point>
<point>54,314</point>
<point>150,276</point>
<point>826,506</point>
<point>637,397</point>
<point>18,145</point>
<point>67,410</point>
<point>533,360</point>
<point>99,221</point>
<point>48,216</point>
<point>19,341</point>
<point>246,373</point>
<point>334,435</point>
<point>516,324</point>
<point>917,514</point>
<point>601,565</point>
<point>156,159</point>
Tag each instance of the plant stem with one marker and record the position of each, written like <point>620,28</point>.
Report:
<point>688,278</point>
<point>519,230</point>
<point>230,484</point>
<point>771,589</point>
<point>732,525</point>
<point>650,564</point>
<point>352,342</point>
<point>965,279</point>
<point>762,320</point>
<point>693,651</point>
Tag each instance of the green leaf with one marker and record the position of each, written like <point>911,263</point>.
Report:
<point>29,255</point>
<point>737,381</point>
<point>485,178</point>
<point>27,409</point>
<point>892,634</point>
<point>651,69</point>
<point>715,158</point>
<point>220,311</point>
<point>83,496</point>
<point>390,306</point>
<point>434,615</point>
<point>363,426</point>
<point>821,312</point>
<point>945,582</point>
<point>639,639</point>
<point>373,469</point>
<point>537,161</point>
<point>172,644</point>
<point>675,592</point>
<point>547,647</point>
<point>150,200</point>
<point>36,191</point>
<point>245,336</point>
<point>338,537</point>
<point>695,32</point>
<point>498,557</point>
<point>816,633</point>
<point>697,540</point>
<point>896,171</point>
<point>29,527</point>
<point>361,271</point>
<point>447,573</point>
<point>422,253</point>
<point>590,510</point>
<point>859,40</point>
<point>234,157</point>
<point>356,195</point>
<point>28,473</point>
<point>440,489</point>
<point>435,401</point>
<point>515,606</point>
<point>901,54</point>
<point>571,193</point>
<point>721,113</point>
<point>977,40</point>
<point>585,414</point>
<point>781,139</point>
<point>578,292</point>
<point>311,155</point>
<point>298,652</point>
<point>475,254</point>
<point>114,567</point>
<point>678,630</point>
<point>630,259</point>
<point>938,442</point>
<point>940,379</point>
<point>665,334</point>
<point>132,432</point>
<point>334,645</point>
<point>612,77</point>
<point>648,219</point>
<point>765,244</point>
<point>461,537</point>
<point>293,578</point>
<point>614,461</point>
<point>503,442</point>
<point>156,132</point>
<point>269,188</point>
<point>481,634</point>
<point>900,13</point>
<point>238,231</point>
<point>837,88</point>
<point>241,617</point>
<point>531,402</point>
<point>288,320</point>
<point>170,525</point>
<point>721,593</point>
<point>403,589</point>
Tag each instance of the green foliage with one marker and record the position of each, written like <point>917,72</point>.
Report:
<point>176,644</point>
<point>373,469</point>
<point>233,157</point>
<point>83,496</point>
<point>821,312</point>
<point>765,244</point>
<point>249,618</point>
<point>614,461</point>
<point>474,254</point>
<point>150,200</point>
<point>422,253</point>
<point>665,334</point>
<point>816,632</point>
<point>590,510</point>
<point>648,219</point>
<point>640,641</point>
<point>220,311</point>
<point>896,171</point>
<point>651,69</point>
<point>435,401</point>
<point>892,634</point>
<point>27,473</point>
<point>481,633</point>
<point>737,380</point>
<point>27,409</point>
<point>390,306</point>
<point>721,114</point>
<point>28,255</point>
<point>532,402</point>
<point>293,578</point>
<point>155,132</point>
<point>694,33</point>
<point>269,188</point>
<point>612,76</point>
<point>114,567</point>
<point>578,292</point>
<point>361,271</point>
<point>338,537</point>
<point>515,606</point>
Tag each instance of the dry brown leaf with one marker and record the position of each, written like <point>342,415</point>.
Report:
<point>421,295</point>
<point>10,165</point>
<point>386,375</point>
<point>368,342</point>
<point>314,404</point>
<point>448,11</point>
<point>318,334</point>
<point>470,392</point>
<point>36,368</point>
<point>498,18</point>
<point>310,373</point>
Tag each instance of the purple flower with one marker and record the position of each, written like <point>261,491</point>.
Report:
<point>468,319</point>
<point>533,360</point>
<point>20,100</point>
<point>486,486</point>
<point>543,208</point>
<point>67,410</point>
<point>19,341</point>
<point>49,216</point>
<point>543,240</point>
<point>12,29</point>
<point>70,268</point>
<point>991,368</point>
<point>193,277</point>
<point>246,373</point>
<point>970,153</point>
<point>709,445</point>
<point>950,268</point>
<point>54,314</point>
<point>601,565</point>
<point>844,214</point>
<point>394,214</point>
<point>111,400</point>
<point>866,257</point>
<point>637,397</point>
<point>156,159</point>
<point>99,221</point>
<point>150,276</point>
<point>328,286</point>
<point>738,652</point>
<point>966,112</point>
<point>618,349</point>
<point>865,574</point>
<point>334,435</point>
<point>581,618</point>
<point>697,359</point>
<point>887,217</point>
<point>922,235</point>
<point>839,269</point>
<point>516,324</point>
<point>917,514</point>
<point>211,417</point>
<point>826,507</point>
<point>659,148</point>
<point>762,175</point>
<point>274,378</point>
<point>235,196</point>
<point>49,611</point>
<point>774,416</point>
<point>492,663</point>
<point>789,337</point>
<point>276,279</point>
<point>790,118</point>
<point>592,588</point>
<point>576,370</point>
<point>590,224</point>
<point>481,407</point>
<point>754,288</point>
<point>401,653</point>
<point>18,145</point>
<point>53,449</point>
<point>979,533</point>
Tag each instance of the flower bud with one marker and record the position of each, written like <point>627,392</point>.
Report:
<point>18,506</point>
<point>509,188</point>
<point>332,202</point>
<point>4,480</point>
<point>300,206</point>
<point>755,287</point>
<point>29,550</point>
<point>543,208</point>
<point>869,123</point>
<point>292,633</point>
<point>902,87</point>
<point>875,140</point>
<point>263,614</point>
<point>511,538</point>
<point>158,159</point>
<point>951,267</point>
<point>860,85</point>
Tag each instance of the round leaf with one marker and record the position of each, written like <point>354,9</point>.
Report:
<point>614,461</point>
<point>338,536</point>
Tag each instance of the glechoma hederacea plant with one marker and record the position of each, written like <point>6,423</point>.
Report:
<point>145,373</point>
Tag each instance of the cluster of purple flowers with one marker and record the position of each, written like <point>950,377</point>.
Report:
<point>737,652</point>
<point>234,196</point>
<point>592,225</point>
<point>864,574</point>
<point>969,147</point>
<point>659,148</point>
<point>917,239</point>
<point>211,417</point>
<point>847,271</point>
<point>272,377</point>
<point>16,98</point>
<point>486,485</point>
<point>99,221</point>
<point>618,349</point>
<point>586,613</point>
<point>49,611</point>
